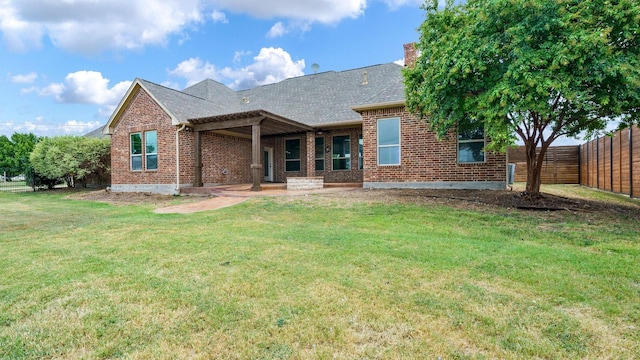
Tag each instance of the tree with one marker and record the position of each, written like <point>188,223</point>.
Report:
<point>14,153</point>
<point>533,69</point>
<point>70,158</point>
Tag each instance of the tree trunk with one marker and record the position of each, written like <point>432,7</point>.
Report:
<point>534,168</point>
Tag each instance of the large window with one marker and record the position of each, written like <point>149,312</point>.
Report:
<point>136,151</point>
<point>151,150</point>
<point>319,154</point>
<point>471,145</point>
<point>292,155</point>
<point>147,150</point>
<point>389,141</point>
<point>341,152</point>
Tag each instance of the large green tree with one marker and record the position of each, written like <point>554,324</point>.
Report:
<point>70,158</point>
<point>533,69</point>
<point>15,151</point>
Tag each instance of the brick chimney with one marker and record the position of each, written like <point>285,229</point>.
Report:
<point>410,54</point>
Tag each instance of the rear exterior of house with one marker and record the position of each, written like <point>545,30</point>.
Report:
<point>343,127</point>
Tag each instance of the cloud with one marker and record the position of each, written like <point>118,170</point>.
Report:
<point>85,87</point>
<point>394,4</point>
<point>39,126</point>
<point>23,78</point>
<point>238,55</point>
<point>271,65</point>
<point>277,30</point>
<point>324,11</point>
<point>195,70</point>
<point>218,16</point>
<point>88,27</point>
<point>92,26</point>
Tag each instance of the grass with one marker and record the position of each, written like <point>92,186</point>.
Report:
<point>314,278</point>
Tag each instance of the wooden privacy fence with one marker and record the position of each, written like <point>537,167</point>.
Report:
<point>612,163</point>
<point>561,164</point>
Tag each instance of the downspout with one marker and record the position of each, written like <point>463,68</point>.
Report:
<point>178,158</point>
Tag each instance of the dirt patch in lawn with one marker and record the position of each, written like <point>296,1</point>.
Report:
<point>478,199</point>
<point>132,198</point>
<point>463,199</point>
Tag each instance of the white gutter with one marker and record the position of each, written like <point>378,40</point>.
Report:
<point>178,158</point>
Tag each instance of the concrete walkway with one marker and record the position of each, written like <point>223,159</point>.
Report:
<point>229,195</point>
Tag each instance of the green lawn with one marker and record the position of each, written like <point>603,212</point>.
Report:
<point>314,278</point>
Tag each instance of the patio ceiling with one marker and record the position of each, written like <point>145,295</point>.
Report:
<point>241,123</point>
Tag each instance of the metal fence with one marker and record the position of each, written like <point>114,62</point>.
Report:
<point>14,183</point>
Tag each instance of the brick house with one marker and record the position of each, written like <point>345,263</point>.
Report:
<point>347,126</point>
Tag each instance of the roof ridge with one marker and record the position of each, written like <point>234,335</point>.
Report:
<point>171,89</point>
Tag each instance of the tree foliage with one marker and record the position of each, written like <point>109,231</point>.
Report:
<point>15,151</point>
<point>535,69</point>
<point>70,158</point>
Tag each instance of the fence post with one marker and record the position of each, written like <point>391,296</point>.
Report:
<point>580,164</point>
<point>611,164</point>
<point>630,161</point>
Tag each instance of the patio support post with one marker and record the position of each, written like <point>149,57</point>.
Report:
<point>256,156</point>
<point>311,154</point>
<point>197,180</point>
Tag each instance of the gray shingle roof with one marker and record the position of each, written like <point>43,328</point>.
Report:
<point>320,99</point>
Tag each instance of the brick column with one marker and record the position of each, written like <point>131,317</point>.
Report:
<point>311,154</point>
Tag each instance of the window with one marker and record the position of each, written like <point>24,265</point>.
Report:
<point>292,155</point>
<point>150,153</point>
<point>360,152</point>
<point>319,154</point>
<point>342,152</point>
<point>136,151</point>
<point>151,150</point>
<point>471,145</point>
<point>389,141</point>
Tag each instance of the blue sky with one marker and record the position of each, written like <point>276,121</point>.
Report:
<point>67,63</point>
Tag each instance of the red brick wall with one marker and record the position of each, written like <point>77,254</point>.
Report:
<point>423,157</point>
<point>225,159</point>
<point>143,114</point>
<point>355,175</point>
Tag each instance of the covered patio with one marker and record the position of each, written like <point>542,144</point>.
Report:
<point>251,125</point>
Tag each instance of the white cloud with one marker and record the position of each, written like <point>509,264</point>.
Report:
<point>394,4</point>
<point>23,78</point>
<point>324,11</point>
<point>90,26</point>
<point>86,87</point>
<point>271,65</point>
<point>195,70</point>
<point>277,30</point>
<point>399,62</point>
<point>39,126</point>
<point>238,55</point>
<point>219,16</point>
<point>75,127</point>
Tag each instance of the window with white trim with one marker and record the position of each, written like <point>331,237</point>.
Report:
<point>320,154</point>
<point>389,141</point>
<point>136,151</point>
<point>292,155</point>
<point>151,150</point>
<point>471,144</point>
<point>341,152</point>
